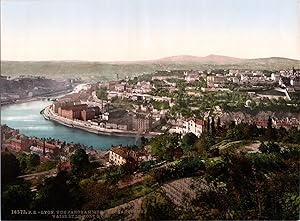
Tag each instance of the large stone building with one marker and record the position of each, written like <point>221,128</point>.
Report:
<point>72,112</point>
<point>142,122</point>
<point>76,111</point>
<point>89,113</point>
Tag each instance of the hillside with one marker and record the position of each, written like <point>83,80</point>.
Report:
<point>95,71</point>
<point>214,59</point>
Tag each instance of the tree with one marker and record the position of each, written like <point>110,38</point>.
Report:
<point>208,125</point>
<point>144,141</point>
<point>60,192</point>
<point>269,126</point>
<point>213,127</point>
<point>188,140</point>
<point>23,163</point>
<point>10,168</point>
<point>282,133</point>
<point>219,124</point>
<point>79,161</point>
<point>102,94</point>
<point>234,133</point>
<point>98,195</point>
<point>263,148</point>
<point>165,145</point>
<point>204,143</point>
<point>155,206</point>
<point>232,124</point>
<point>248,130</point>
<point>294,135</point>
<point>15,197</point>
<point>33,160</point>
<point>271,134</point>
<point>290,205</point>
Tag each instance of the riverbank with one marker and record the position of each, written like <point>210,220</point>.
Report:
<point>44,96</point>
<point>27,118</point>
<point>48,114</point>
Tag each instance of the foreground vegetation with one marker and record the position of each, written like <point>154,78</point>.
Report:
<point>257,183</point>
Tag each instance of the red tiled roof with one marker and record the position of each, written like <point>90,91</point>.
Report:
<point>197,121</point>
<point>121,151</point>
<point>75,107</point>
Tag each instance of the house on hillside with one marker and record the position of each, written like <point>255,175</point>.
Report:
<point>191,125</point>
<point>118,155</point>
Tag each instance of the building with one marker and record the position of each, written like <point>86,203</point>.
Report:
<point>118,155</point>
<point>191,77</point>
<point>88,114</point>
<point>120,87</point>
<point>295,82</point>
<point>76,111</point>
<point>7,132</point>
<point>72,112</point>
<point>191,125</point>
<point>20,143</point>
<point>215,81</point>
<point>142,122</point>
<point>50,149</point>
<point>261,123</point>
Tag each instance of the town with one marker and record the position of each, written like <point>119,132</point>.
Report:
<point>187,121</point>
<point>127,110</point>
<point>182,101</point>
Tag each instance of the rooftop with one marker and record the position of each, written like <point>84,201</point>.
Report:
<point>121,151</point>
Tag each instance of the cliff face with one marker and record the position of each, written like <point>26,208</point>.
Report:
<point>22,86</point>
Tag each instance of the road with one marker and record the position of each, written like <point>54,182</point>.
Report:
<point>39,174</point>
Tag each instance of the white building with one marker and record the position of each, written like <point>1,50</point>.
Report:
<point>191,125</point>
<point>192,77</point>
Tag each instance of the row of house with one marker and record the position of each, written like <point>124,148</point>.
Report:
<point>286,123</point>
<point>46,148</point>
<point>123,86</point>
<point>285,78</point>
<point>197,126</point>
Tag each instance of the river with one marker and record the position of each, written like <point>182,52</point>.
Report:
<point>27,118</point>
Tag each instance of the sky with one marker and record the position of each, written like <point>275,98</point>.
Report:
<point>126,30</point>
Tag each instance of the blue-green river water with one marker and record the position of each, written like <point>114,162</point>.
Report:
<point>27,118</point>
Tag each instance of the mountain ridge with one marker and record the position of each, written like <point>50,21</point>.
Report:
<point>222,59</point>
<point>99,71</point>
<point>209,58</point>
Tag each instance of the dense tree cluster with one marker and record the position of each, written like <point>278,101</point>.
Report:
<point>255,186</point>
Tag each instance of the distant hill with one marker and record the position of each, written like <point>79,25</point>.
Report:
<point>217,59</point>
<point>275,62</point>
<point>97,71</point>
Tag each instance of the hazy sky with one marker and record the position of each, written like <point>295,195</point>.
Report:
<point>106,30</point>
